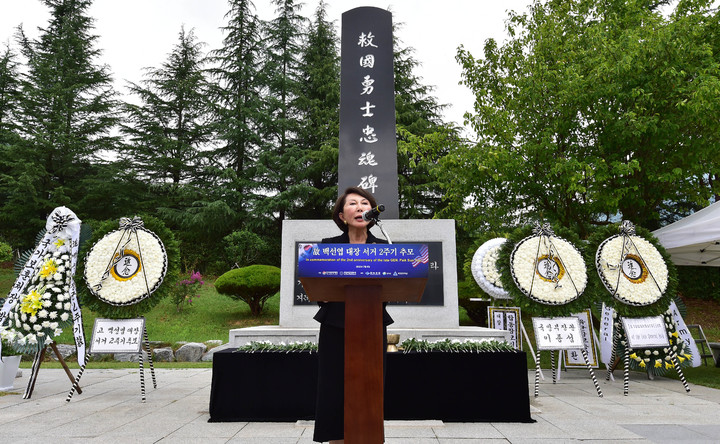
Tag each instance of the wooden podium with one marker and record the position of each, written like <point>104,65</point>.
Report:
<point>363,298</point>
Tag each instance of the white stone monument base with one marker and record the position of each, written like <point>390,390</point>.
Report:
<point>277,334</point>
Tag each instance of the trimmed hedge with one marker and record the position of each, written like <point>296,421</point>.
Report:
<point>253,285</point>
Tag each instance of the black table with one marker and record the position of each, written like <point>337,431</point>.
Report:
<point>452,387</point>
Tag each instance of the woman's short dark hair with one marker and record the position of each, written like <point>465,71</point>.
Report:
<point>340,203</point>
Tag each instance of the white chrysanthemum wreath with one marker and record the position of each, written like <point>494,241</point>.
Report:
<point>631,268</point>
<point>485,271</point>
<point>548,269</point>
<point>126,266</point>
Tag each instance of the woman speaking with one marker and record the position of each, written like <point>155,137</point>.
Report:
<point>329,412</point>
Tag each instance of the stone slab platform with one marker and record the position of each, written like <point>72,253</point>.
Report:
<point>110,410</point>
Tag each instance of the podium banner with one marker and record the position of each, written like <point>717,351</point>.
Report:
<point>363,260</point>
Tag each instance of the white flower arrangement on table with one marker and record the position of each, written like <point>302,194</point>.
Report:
<point>281,347</point>
<point>631,268</point>
<point>128,276</point>
<point>44,307</point>
<point>485,271</point>
<point>548,269</point>
<point>467,345</point>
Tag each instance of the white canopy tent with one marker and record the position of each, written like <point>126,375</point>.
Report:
<point>694,240</point>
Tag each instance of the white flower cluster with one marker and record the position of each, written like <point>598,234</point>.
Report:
<point>468,345</point>
<point>484,268</point>
<point>641,291</point>
<point>126,291</point>
<point>571,272</point>
<point>45,305</point>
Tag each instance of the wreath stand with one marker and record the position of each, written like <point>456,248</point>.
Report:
<point>37,361</point>
<point>144,346</point>
<point>535,356</point>
<point>626,361</point>
<point>492,310</point>
<point>545,340</point>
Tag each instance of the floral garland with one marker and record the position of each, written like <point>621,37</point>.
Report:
<point>658,360</point>
<point>543,272</point>
<point>44,308</point>
<point>455,346</point>
<point>635,275</point>
<point>631,268</point>
<point>116,306</point>
<point>282,347</point>
<point>135,273</point>
<point>485,271</point>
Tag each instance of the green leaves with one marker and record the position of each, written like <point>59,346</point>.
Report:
<point>589,111</point>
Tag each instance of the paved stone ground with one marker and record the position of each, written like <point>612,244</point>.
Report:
<point>110,411</point>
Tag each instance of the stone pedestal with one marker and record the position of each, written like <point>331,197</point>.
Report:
<point>411,321</point>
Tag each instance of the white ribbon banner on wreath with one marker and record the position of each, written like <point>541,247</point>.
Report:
<point>606,334</point>
<point>62,223</point>
<point>685,334</point>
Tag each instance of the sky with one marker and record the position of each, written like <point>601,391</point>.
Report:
<point>136,34</point>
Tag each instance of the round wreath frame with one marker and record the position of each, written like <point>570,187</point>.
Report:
<point>597,289</point>
<point>467,265</point>
<point>104,309</point>
<point>497,293</point>
<point>139,299</point>
<point>523,301</point>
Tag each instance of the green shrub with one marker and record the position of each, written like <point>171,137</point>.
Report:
<point>6,252</point>
<point>699,282</point>
<point>252,285</point>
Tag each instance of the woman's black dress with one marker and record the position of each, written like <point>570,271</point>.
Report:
<point>329,410</point>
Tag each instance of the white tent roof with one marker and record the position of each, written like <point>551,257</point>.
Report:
<point>694,240</point>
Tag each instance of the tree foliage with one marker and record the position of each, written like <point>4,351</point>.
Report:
<point>222,148</point>
<point>168,130</point>
<point>66,113</point>
<point>592,108</point>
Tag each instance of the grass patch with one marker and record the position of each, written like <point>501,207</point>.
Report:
<point>209,317</point>
<point>703,375</point>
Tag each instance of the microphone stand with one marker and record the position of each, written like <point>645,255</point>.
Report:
<point>377,222</point>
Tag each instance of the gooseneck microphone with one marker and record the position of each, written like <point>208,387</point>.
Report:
<point>373,213</point>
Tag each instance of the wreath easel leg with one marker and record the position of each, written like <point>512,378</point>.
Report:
<point>676,361</point>
<point>76,385</point>
<point>537,373</point>
<point>613,357</point>
<point>626,373</point>
<point>142,375</point>
<point>39,356</point>
<point>150,359</point>
<point>592,373</point>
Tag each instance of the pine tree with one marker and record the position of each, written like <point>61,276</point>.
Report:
<point>281,157</point>
<point>238,108</point>
<point>318,112</point>
<point>170,127</point>
<point>67,112</point>
<point>10,97</point>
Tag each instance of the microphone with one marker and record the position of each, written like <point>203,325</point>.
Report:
<point>373,213</point>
